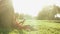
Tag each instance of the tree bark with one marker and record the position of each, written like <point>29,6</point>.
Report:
<point>6,15</point>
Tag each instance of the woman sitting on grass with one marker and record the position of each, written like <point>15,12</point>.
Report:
<point>20,26</point>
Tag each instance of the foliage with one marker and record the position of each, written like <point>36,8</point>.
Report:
<point>23,16</point>
<point>48,13</point>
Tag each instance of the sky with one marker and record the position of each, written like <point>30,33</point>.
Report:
<point>32,7</point>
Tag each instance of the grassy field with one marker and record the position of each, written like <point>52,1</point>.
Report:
<point>42,26</point>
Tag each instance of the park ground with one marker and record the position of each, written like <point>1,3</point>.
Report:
<point>42,26</point>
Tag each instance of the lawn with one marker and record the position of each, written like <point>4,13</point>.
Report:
<point>42,26</point>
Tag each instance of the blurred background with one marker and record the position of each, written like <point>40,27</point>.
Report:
<point>40,16</point>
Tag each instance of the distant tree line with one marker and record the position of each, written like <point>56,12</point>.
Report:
<point>49,13</point>
<point>23,16</point>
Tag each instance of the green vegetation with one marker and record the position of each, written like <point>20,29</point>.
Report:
<point>42,26</point>
<point>49,13</point>
<point>23,16</point>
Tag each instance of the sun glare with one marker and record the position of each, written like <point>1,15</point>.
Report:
<point>31,7</point>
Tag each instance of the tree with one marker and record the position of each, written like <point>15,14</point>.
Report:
<point>28,17</point>
<point>21,16</point>
<point>48,13</point>
<point>6,16</point>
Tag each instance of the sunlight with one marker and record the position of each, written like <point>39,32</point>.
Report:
<point>57,15</point>
<point>31,7</point>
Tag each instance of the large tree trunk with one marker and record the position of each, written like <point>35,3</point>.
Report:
<point>6,15</point>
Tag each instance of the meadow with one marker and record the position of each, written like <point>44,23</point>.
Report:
<point>42,26</point>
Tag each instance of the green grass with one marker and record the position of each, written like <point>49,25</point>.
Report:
<point>43,27</point>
